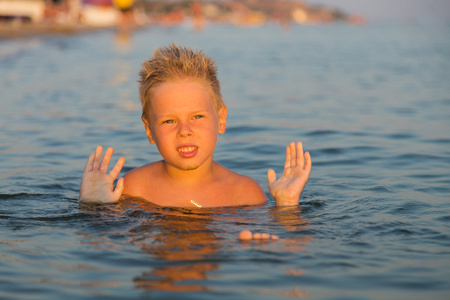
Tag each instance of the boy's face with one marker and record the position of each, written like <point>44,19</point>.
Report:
<point>184,124</point>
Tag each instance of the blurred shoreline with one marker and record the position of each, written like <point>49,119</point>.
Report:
<point>11,31</point>
<point>24,18</point>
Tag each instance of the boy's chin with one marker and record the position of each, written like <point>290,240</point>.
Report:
<point>186,167</point>
<point>191,168</point>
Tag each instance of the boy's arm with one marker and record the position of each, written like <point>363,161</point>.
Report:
<point>288,188</point>
<point>97,186</point>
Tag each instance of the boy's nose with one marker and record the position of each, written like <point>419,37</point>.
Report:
<point>184,130</point>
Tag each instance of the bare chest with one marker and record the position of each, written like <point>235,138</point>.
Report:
<point>204,196</point>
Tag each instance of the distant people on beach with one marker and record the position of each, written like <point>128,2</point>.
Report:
<point>74,11</point>
<point>197,15</point>
<point>125,22</point>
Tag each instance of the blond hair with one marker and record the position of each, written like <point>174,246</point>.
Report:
<point>173,63</point>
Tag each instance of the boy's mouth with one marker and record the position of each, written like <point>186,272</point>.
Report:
<point>187,151</point>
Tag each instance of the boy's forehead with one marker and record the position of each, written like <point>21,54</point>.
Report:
<point>181,96</point>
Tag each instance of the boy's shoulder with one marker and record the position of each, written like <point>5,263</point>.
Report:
<point>244,190</point>
<point>140,177</point>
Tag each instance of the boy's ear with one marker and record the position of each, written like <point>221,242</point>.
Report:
<point>222,114</point>
<point>147,130</point>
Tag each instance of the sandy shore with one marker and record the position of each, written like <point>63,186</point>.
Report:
<point>11,30</point>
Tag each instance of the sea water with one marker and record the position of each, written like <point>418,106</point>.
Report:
<point>370,103</point>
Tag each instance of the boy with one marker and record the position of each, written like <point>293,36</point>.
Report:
<point>183,113</point>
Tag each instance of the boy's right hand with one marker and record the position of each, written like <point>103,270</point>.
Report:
<point>97,186</point>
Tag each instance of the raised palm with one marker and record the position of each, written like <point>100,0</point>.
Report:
<point>288,188</point>
<point>96,185</point>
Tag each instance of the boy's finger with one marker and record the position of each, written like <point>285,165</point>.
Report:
<point>117,168</point>
<point>271,176</point>
<point>89,163</point>
<point>307,162</point>
<point>287,162</point>
<point>106,159</point>
<point>293,154</point>
<point>98,155</point>
<point>300,158</point>
<point>119,188</point>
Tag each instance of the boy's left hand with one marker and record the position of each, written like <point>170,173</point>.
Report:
<point>288,188</point>
<point>96,185</point>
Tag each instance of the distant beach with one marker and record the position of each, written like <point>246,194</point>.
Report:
<point>21,18</point>
<point>25,30</point>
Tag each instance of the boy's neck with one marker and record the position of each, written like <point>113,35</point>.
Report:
<point>202,174</point>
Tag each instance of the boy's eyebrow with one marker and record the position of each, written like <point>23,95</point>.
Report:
<point>201,111</point>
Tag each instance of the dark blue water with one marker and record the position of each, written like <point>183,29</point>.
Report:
<point>371,104</point>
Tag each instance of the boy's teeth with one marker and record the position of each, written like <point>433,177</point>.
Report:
<point>187,149</point>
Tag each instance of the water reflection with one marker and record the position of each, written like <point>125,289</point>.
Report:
<point>123,41</point>
<point>184,241</point>
<point>189,245</point>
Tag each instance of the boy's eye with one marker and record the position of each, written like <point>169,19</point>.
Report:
<point>168,122</point>
<point>198,117</point>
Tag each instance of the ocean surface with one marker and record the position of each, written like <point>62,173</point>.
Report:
<point>370,103</point>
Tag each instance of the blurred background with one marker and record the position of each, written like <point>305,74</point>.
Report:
<point>25,17</point>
